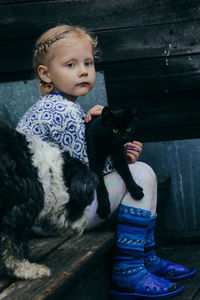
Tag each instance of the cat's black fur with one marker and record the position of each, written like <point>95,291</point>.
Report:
<point>105,136</point>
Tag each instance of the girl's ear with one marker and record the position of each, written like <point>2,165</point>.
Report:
<point>43,73</point>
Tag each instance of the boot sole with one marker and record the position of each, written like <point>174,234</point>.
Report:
<point>115,295</point>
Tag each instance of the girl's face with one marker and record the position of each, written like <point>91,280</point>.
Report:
<point>71,69</point>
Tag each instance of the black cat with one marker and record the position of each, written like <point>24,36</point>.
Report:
<point>105,136</point>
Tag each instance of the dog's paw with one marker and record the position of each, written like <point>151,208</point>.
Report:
<point>79,225</point>
<point>27,270</point>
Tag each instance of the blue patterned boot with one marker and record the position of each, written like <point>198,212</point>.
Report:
<point>131,280</point>
<point>162,267</point>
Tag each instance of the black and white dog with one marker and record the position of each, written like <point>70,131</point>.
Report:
<point>39,185</point>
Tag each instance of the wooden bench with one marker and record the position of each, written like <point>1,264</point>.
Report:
<point>81,268</point>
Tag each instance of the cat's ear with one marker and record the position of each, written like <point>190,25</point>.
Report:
<point>106,115</point>
<point>106,110</point>
<point>132,114</point>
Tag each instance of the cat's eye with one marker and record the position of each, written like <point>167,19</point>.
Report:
<point>128,129</point>
<point>115,130</point>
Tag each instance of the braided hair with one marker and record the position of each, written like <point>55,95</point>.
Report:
<point>41,54</point>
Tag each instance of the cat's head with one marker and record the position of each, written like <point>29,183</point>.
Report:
<point>119,125</point>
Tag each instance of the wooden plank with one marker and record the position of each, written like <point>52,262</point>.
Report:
<point>17,75</point>
<point>153,107</point>
<point>17,1</point>
<point>152,76</point>
<point>118,45</point>
<point>168,133</point>
<point>93,14</point>
<point>159,40</point>
<point>68,263</point>
<point>160,92</point>
<point>124,49</point>
<point>94,284</point>
<point>118,40</point>
<point>187,255</point>
<point>39,248</point>
<point>182,237</point>
<point>197,296</point>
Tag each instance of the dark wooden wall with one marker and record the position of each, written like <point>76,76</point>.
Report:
<point>150,54</point>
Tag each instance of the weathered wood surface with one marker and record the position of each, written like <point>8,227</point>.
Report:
<point>96,15</point>
<point>166,95</point>
<point>94,284</point>
<point>39,248</point>
<point>126,29</point>
<point>188,255</point>
<point>69,261</point>
<point>80,271</point>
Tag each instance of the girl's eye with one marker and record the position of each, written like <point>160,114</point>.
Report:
<point>128,129</point>
<point>88,63</point>
<point>115,130</point>
<point>71,65</point>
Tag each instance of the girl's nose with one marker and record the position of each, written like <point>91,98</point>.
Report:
<point>83,71</point>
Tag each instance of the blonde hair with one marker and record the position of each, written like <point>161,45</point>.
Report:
<point>41,54</point>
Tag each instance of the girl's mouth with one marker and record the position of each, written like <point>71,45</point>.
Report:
<point>84,83</point>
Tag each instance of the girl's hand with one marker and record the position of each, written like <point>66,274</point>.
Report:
<point>133,154</point>
<point>94,111</point>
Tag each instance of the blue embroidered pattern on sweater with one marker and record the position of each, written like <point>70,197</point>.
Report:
<point>57,120</point>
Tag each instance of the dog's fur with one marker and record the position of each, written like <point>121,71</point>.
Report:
<point>39,185</point>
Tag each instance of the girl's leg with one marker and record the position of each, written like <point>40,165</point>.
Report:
<point>133,219</point>
<point>130,276</point>
<point>131,280</point>
<point>143,176</point>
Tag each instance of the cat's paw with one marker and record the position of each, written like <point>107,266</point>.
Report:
<point>103,210</point>
<point>138,193</point>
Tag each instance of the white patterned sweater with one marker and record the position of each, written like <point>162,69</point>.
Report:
<point>60,121</point>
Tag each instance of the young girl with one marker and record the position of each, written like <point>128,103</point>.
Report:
<point>64,61</point>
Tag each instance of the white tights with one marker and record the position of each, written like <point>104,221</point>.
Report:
<point>144,176</point>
